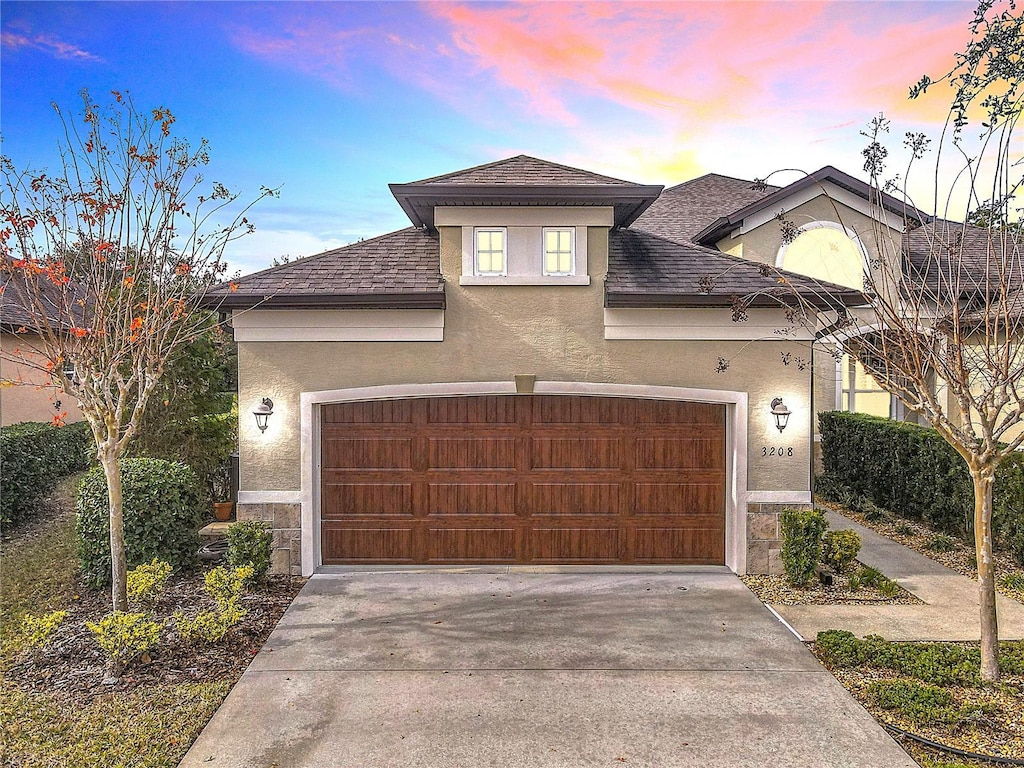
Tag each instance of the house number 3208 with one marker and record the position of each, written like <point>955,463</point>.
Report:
<point>773,451</point>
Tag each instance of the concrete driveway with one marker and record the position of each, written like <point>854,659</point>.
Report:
<point>474,669</point>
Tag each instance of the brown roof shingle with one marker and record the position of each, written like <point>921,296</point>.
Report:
<point>401,268</point>
<point>523,171</point>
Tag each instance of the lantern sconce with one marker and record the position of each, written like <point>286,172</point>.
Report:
<point>263,411</point>
<point>781,413</point>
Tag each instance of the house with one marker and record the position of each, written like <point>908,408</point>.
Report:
<point>27,392</point>
<point>549,366</point>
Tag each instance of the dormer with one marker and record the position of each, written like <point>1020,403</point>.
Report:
<point>524,221</point>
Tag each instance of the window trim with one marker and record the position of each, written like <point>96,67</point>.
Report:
<point>780,255</point>
<point>504,252</point>
<point>848,391</point>
<point>544,251</point>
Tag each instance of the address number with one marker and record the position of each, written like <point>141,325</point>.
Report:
<point>773,451</point>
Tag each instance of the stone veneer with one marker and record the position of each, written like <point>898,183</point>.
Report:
<point>764,536</point>
<point>285,521</point>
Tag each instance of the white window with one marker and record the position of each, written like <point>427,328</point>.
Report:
<point>860,392</point>
<point>489,258</point>
<point>825,250</point>
<point>559,251</point>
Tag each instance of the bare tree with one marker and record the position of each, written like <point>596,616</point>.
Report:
<point>941,324</point>
<point>108,260</point>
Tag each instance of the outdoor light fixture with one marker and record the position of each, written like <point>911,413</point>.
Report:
<point>263,411</point>
<point>781,413</point>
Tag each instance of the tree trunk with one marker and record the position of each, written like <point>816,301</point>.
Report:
<point>983,483</point>
<point>118,565</point>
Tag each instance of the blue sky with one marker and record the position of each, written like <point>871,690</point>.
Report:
<point>332,101</point>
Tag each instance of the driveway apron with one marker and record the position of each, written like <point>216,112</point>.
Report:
<point>519,668</point>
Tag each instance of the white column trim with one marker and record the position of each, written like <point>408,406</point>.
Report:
<point>270,497</point>
<point>779,497</point>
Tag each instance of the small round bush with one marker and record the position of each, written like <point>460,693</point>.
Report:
<point>839,549</point>
<point>163,511</point>
<point>802,530</point>
<point>249,544</point>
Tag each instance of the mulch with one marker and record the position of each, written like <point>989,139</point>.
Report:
<point>72,665</point>
<point>775,590</point>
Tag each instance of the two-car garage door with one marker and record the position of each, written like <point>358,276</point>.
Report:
<point>523,479</point>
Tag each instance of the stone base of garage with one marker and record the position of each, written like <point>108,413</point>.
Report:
<point>285,521</point>
<point>764,535</point>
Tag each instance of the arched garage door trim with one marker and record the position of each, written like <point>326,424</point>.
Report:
<point>736,443</point>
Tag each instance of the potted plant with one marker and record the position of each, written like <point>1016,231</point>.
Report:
<point>221,487</point>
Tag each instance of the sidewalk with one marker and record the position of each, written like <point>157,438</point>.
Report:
<point>951,600</point>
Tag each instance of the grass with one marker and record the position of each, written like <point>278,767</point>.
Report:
<point>149,728</point>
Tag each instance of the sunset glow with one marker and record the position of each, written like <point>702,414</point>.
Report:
<point>334,100</point>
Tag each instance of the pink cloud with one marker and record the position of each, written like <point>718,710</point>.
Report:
<point>14,41</point>
<point>316,49</point>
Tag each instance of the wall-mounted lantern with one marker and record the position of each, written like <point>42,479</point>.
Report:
<point>781,413</point>
<point>263,411</point>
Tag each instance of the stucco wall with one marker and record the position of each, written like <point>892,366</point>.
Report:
<point>32,399</point>
<point>494,332</point>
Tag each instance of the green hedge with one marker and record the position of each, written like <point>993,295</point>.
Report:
<point>911,471</point>
<point>163,510</point>
<point>33,456</point>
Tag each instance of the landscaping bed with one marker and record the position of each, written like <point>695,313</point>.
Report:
<point>933,690</point>
<point>57,703</point>
<point>776,590</point>
<point>952,552</point>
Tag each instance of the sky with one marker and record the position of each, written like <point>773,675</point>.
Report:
<point>331,101</point>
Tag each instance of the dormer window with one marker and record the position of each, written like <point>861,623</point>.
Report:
<point>559,250</point>
<point>489,258</point>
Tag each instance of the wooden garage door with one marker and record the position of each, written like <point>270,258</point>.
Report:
<point>523,479</point>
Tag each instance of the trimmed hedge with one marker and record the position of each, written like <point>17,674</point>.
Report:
<point>33,456</point>
<point>163,510</point>
<point>911,471</point>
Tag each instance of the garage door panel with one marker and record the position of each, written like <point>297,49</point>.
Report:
<point>341,500</point>
<point>469,453</point>
<point>679,498</point>
<point>472,410</point>
<point>680,412</point>
<point>576,453</point>
<point>471,499</point>
<point>375,412</point>
<point>679,452</point>
<point>554,409</point>
<point>679,545</point>
<point>376,544</point>
<point>574,498</point>
<point>368,453</point>
<point>575,544</point>
<point>472,545</point>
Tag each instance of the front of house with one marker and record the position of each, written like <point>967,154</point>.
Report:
<point>547,368</point>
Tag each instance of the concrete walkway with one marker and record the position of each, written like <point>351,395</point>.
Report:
<point>445,670</point>
<point>951,599</point>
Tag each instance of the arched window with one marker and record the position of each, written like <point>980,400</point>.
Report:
<point>827,251</point>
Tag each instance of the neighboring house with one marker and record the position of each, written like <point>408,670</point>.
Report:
<point>546,368</point>
<point>26,391</point>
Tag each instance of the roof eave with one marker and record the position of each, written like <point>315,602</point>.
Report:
<point>418,300</point>
<point>646,300</point>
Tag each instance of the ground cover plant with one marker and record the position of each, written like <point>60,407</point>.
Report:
<point>934,690</point>
<point>58,705</point>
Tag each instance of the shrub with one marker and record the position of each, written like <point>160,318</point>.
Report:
<point>855,583</point>
<point>870,577</point>
<point>162,513</point>
<point>940,542</point>
<point>801,543</point>
<point>839,549</point>
<point>37,630</point>
<point>911,470</point>
<point>146,582</point>
<point>124,636</point>
<point>1012,581</point>
<point>210,626</point>
<point>917,703</point>
<point>249,544</point>
<point>33,456</point>
<point>226,585</point>
<point>1011,657</point>
<point>903,529</point>
<point>831,489</point>
<point>942,664</point>
<point>838,647</point>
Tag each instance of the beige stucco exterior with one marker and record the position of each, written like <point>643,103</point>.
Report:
<point>25,394</point>
<point>492,333</point>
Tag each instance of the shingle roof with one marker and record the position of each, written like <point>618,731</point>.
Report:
<point>60,305</point>
<point>647,270</point>
<point>523,170</point>
<point>957,256</point>
<point>401,268</point>
<point>685,209</point>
